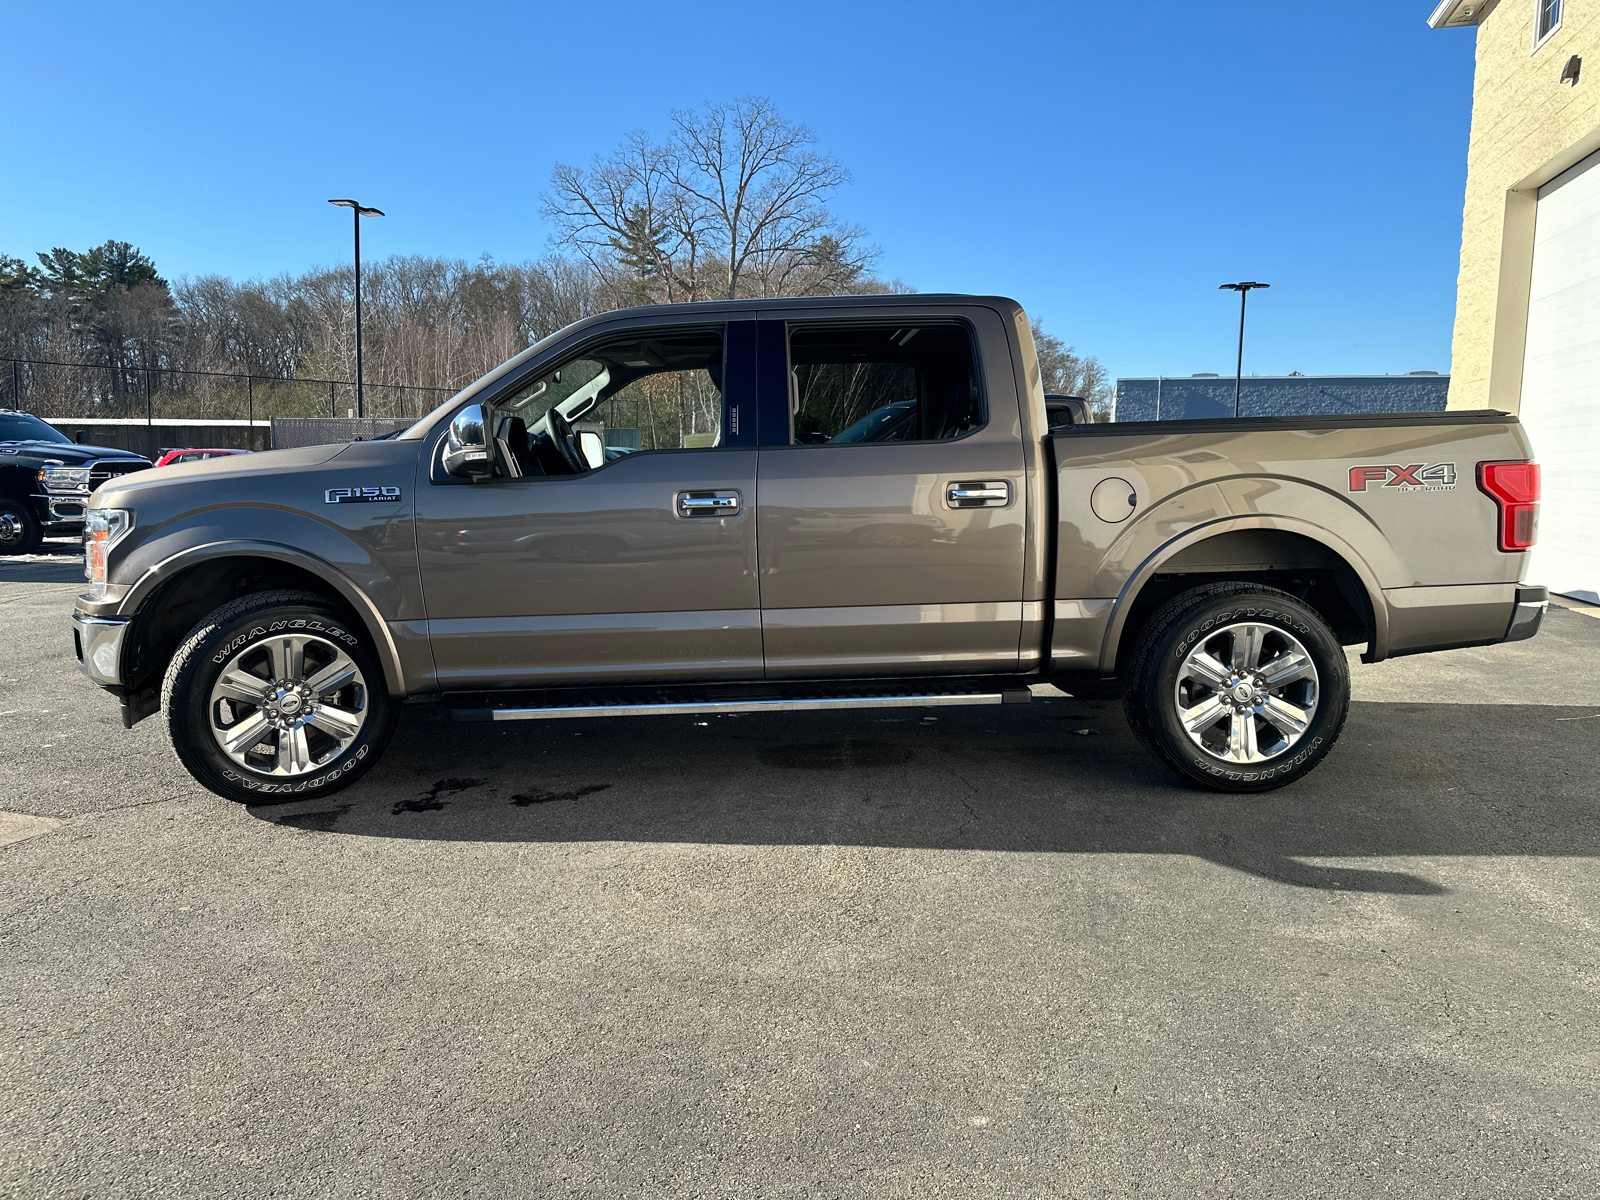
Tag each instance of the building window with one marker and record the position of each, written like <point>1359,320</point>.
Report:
<point>1546,21</point>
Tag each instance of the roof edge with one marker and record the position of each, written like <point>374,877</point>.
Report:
<point>1456,14</point>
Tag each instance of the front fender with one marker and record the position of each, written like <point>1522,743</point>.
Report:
<point>360,598</point>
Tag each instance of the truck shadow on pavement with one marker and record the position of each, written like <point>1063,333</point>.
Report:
<point>1064,777</point>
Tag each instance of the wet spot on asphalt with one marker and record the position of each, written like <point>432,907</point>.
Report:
<point>541,796</point>
<point>430,801</point>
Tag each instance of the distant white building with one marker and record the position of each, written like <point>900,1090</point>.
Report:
<point>1199,397</point>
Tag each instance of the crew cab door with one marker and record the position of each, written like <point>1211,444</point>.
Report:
<point>636,564</point>
<point>893,512</point>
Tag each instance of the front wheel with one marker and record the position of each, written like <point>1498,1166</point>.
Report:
<point>1237,687</point>
<point>19,531</point>
<point>276,695</point>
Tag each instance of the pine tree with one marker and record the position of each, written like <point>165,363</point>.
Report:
<point>640,252</point>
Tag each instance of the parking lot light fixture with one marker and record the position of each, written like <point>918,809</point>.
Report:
<point>1243,288</point>
<point>357,211</point>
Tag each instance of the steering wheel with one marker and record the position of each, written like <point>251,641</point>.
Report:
<point>558,430</point>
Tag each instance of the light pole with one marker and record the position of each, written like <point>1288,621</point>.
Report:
<point>357,211</point>
<point>1238,377</point>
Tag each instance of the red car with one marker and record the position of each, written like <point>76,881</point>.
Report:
<point>180,456</point>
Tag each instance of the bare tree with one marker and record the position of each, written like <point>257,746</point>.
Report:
<point>624,210</point>
<point>1065,374</point>
<point>757,178</point>
<point>734,204</point>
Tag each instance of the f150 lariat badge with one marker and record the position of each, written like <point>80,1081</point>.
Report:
<point>355,495</point>
<point>1419,477</point>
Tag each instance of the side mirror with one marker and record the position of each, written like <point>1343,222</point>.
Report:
<point>593,449</point>
<point>466,446</point>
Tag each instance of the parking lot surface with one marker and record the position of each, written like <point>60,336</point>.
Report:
<point>999,953</point>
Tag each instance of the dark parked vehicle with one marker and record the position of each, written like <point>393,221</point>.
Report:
<point>853,502</point>
<point>46,479</point>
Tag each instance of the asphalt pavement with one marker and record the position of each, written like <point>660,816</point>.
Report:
<point>967,952</point>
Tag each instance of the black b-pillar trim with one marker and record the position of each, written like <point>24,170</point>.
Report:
<point>772,383</point>
<point>739,405</point>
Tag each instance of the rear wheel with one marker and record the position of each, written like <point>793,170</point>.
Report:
<point>277,695</point>
<point>1237,687</point>
<point>19,531</point>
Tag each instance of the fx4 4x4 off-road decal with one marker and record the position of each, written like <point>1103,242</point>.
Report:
<point>1417,477</point>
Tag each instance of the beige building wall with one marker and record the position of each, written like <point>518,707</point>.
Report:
<point>1527,127</point>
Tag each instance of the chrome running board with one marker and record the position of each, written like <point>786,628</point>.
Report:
<point>664,703</point>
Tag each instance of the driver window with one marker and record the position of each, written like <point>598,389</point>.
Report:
<point>653,390</point>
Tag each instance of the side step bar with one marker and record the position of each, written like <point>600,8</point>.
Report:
<point>659,702</point>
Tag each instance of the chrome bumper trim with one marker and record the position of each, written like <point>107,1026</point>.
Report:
<point>68,508</point>
<point>98,643</point>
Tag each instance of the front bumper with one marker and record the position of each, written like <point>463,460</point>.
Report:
<point>61,512</point>
<point>98,644</point>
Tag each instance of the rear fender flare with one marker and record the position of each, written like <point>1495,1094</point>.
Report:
<point>1152,565</point>
<point>377,628</point>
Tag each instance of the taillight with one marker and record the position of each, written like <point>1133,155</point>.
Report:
<point>1514,486</point>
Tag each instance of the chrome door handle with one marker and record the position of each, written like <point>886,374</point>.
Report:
<point>988,493</point>
<point>708,504</point>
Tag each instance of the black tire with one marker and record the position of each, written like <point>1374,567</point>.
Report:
<point>1150,692</point>
<point>246,630</point>
<point>19,531</point>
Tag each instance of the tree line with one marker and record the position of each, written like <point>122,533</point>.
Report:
<point>734,203</point>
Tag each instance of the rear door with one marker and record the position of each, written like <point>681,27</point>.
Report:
<point>892,519</point>
<point>642,568</point>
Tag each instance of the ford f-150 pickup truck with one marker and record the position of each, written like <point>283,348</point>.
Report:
<point>798,504</point>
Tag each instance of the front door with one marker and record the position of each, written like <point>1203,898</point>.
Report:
<point>628,554</point>
<point>892,514</point>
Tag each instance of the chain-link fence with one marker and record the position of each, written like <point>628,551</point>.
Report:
<point>95,390</point>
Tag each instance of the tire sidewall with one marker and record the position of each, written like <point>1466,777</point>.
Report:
<point>1333,690</point>
<point>31,533</point>
<point>190,697</point>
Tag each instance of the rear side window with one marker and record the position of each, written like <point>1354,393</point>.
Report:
<point>878,383</point>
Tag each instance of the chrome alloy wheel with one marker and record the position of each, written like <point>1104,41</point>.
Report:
<point>1247,693</point>
<point>288,705</point>
<point>10,529</point>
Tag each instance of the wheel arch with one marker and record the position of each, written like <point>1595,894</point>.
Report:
<point>171,596</point>
<point>1232,547</point>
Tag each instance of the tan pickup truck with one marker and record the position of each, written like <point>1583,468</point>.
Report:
<point>798,504</point>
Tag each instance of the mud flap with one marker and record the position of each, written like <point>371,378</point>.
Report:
<point>139,705</point>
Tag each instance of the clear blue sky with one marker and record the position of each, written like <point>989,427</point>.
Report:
<point>1107,164</point>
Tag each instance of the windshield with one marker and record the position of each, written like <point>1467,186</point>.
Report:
<point>875,426</point>
<point>21,427</point>
<point>573,387</point>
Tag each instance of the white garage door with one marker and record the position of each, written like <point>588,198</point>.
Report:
<point>1561,381</point>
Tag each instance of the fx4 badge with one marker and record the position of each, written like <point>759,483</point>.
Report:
<point>361,495</point>
<point>1417,477</point>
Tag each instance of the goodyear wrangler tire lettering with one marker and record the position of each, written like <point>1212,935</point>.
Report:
<point>190,693</point>
<point>1236,705</point>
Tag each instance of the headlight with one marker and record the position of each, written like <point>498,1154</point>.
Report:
<point>102,529</point>
<point>64,479</point>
